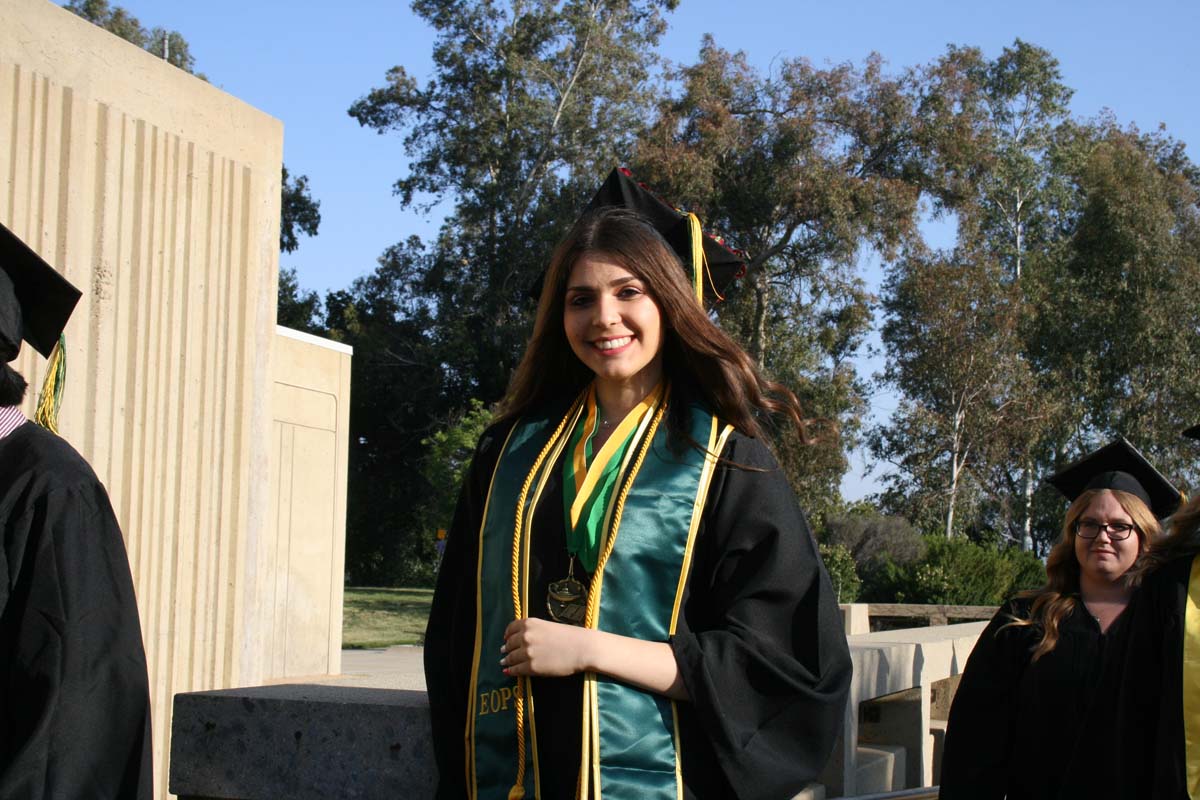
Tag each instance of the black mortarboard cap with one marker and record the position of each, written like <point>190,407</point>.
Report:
<point>35,301</point>
<point>1193,432</point>
<point>1120,466</point>
<point>724,264</point>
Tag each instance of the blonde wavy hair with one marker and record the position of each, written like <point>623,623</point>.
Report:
<point>1182,539</point>
<point>1057,599</point>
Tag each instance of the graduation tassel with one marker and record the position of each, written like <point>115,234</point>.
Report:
<point>50,399</point>
<point>700,270</point>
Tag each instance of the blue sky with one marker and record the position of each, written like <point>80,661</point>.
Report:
<point>305,63</point>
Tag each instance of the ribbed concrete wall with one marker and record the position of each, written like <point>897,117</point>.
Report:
<point>158,196</point>
<point>309,446</point>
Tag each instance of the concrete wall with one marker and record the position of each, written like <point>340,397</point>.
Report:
<point>158,196</point>
<point>309,443</point>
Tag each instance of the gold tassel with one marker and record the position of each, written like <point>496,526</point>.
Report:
<point>697,257</point>
<point>700,269</point>
<point>50,399</point>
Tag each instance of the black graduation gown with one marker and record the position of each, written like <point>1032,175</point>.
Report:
<point>74,698</point>
<point>1015,724</point>
<point>1139,711</point>
<point>760,643</point>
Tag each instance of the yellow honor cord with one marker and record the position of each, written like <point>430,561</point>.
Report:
<point>1191,682</point>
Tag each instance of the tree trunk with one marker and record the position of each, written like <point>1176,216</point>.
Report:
<point>1027,536</point>
<point>955,469</point>
<point>762,294</point>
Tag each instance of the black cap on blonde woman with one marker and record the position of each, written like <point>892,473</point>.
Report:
<point>1119,466</point>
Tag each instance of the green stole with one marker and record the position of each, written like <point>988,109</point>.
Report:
<point>630,737</point>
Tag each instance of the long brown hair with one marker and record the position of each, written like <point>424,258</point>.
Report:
<point>1182,539</point>
<point>699,359</point>
<point>1058,598</point>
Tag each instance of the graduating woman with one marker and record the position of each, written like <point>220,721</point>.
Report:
<point>631,604</point>
<point>1017,724</point>
<point>1151,711</point>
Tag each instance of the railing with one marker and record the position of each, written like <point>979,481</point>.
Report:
<point>936,615</point>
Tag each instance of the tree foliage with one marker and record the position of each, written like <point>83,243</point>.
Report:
<point>299,213</point>
<point>529,103</point>
<point>803,168</point>
<point>167,44</point>
<point>1057,322</point>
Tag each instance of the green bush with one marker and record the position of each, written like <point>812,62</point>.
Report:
<point>840,566</point>
<point>955,572</point>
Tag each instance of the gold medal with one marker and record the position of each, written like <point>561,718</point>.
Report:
<point>566,600</point>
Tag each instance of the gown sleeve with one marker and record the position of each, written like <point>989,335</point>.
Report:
<point>74,711</point>
<point>449,634</point>
<point>760,646</point>
<point>983,715</point>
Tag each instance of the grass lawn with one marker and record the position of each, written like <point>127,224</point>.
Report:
<point>384,617</point>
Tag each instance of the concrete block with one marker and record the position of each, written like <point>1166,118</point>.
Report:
<point>937,737</point>
<point>813,792</point>
<point>856,618</point>
<point>302,742</point>
<point>897,719</point>
<point>879,768</point>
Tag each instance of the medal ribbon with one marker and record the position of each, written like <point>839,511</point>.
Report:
<point>589,479</point>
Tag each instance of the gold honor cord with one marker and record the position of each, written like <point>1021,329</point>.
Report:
<point>50,398</point>
<point>1191,682</point>
<point>517,792</point>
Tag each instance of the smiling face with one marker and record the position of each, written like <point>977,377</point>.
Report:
<point>1102,559</point>
<point>613,326</point>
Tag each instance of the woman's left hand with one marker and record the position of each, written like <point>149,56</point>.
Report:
<point>539,647</point>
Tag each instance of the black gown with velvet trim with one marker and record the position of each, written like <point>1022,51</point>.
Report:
<point>760,643</point>
<point>1018,726</point>
<point>74,699</point>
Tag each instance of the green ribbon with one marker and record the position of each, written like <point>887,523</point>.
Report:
<point>583,537</point>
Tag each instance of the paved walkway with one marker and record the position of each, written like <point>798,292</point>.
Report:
<point>399,667</point>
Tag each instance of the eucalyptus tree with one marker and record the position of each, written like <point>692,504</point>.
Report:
<point>529,106</point>
<point>805,168</point>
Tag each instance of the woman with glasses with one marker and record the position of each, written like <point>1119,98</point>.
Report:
<point>1017,722</point>
<point>1152,717</point>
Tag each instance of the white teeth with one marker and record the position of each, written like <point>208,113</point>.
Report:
<point>613,344</point>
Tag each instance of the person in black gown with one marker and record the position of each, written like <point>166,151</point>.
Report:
<point>1152,690</point>
<point>1017,724</point>
<point>752,672</point>
<point>74,697</point>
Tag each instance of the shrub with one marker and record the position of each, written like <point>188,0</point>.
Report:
<point>956,572</point>
<point>842,574</point>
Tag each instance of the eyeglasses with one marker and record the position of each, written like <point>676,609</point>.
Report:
<point>1090,529</point>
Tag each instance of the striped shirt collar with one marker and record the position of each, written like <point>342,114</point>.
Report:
<point>11,418</point>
